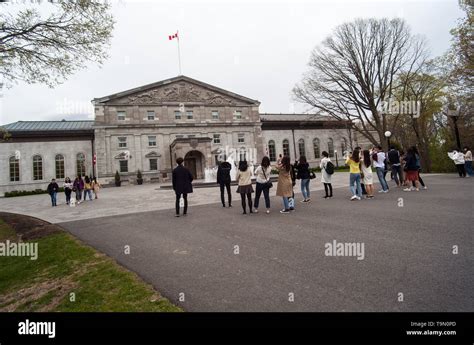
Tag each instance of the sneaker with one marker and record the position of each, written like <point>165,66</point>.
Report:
<point>385,191</point>
<point>358,197</point>
<point>255,211</point>
<point>381,191</point>
<point>407,189</point>
<point>325,197</point>
<point>417,189</point>
<point>425,188</point>
<point>223,205</point>
<point>176,215</point>
<point>304,201</point>
<point>353,197</point>
<point>268,211</point>
<point>292,208</point>
<point>308,200</point>
<point>284,211</point>
<point>230,205</point>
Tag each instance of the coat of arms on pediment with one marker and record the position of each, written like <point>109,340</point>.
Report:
<point>180,92</point>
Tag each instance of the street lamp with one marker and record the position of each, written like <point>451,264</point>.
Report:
<point>388,134</point>
<point>337,163</point>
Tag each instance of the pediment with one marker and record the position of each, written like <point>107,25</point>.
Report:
<point>178,90</point>
<point>153,154</point>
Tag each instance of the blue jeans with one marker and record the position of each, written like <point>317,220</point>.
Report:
<point>266,195</point>
<point>53,198</point>
<point>355,179</point>
<point>87,192</point>
<point>305,188</point>
<point>286,203</point>
<point>381,176</point>
<point>468,166</point>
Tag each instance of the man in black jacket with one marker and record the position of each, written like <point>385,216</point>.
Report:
<point>53,189</point>
<point>394,160</point>
<point>223,179</point>
<point>182,179</point>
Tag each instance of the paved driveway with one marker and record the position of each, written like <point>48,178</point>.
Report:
<point>281,264</point>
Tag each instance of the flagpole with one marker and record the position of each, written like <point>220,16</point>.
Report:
<point>179,55</point>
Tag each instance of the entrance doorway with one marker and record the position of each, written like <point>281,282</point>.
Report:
<point>194,161</point>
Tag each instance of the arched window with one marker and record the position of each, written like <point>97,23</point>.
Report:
<point>286,147</point>
<point>272,151</point>
<point>317,153</point>
<point>37,167</point>
<point>59,163</point>
<point>301,148</point>
<point>343,145</point>
<point>14,169</point>
<point>80,164</point>
<point>331,147</point>
<point>242,154</point>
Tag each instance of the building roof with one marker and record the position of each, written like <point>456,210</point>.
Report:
<point>49,126</point>
<point>295,117</point>
<point>172,80</point>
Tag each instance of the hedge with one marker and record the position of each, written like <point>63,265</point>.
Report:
<point>28,192</point>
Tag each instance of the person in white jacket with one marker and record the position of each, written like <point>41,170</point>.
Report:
<point>325,177</point>
<point>458,158</point>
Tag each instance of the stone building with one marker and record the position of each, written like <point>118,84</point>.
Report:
<point>148,127</point>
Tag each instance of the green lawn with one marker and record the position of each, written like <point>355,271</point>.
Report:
<point>70,276</point>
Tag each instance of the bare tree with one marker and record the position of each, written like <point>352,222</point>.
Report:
<point>38,48</point>
<point>352,73</point>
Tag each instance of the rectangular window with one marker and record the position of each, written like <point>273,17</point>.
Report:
<point>241,138</point>
<point>237,114</point>
<point>189,114</point>
<point>177,115</point>
<point>150,115</point>
<point>217,138</point>
<point>122,142</point>
<point>215,115</point>
<point>123,166</point>
<point>153,164</point>
<point>121,115</point>
<point>152,140</point>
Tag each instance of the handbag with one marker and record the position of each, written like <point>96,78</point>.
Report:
<point>312,175</point>
<point>267,184</point>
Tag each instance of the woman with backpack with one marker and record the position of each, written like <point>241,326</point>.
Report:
<point>263,184</point>
<point>244,180</point>
<point>285,184</point>
<point>327,169</point>
<point>87,188</point>
<point>304,175</point>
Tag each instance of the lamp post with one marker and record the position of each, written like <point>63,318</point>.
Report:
<point>388,134</point>
<point>337,163</point>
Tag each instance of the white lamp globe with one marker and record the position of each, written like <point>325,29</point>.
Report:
<point>388,134</point>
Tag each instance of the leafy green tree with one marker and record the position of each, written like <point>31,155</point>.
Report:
<point>47,48</point>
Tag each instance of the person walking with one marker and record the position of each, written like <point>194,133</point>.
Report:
<point>87,188</point>
<point>244,180</point>
<point>67,189</point>
<point>366,167</point>
<point>284,185</point>
<point>379,163</point>
<point>223,179</point>
<point>96,187</point>
<point>263,183</point>
<point>458,158</point>
<point>78,187</point>
<point>396,165</point>
<point>354,176</point>
<point>304,175</point>
<point>53,189</point>
<point>327,169</point>
<point>468,161</point>
<point>418,164</point>
<point>182,185</point>
<point>411,169</point>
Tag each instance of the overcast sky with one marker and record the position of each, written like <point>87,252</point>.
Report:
<point>257,48</point>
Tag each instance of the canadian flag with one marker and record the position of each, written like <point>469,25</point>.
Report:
<point>173,36</point>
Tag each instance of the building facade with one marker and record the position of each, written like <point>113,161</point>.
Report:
<point>148,127</point>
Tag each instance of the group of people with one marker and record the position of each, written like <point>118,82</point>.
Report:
<point>463,161</point>
<point>82,188</point>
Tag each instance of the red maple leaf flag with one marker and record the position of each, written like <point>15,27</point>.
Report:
<point>173,36</point>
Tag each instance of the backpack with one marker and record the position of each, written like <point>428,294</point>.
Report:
<point>329,168</point>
